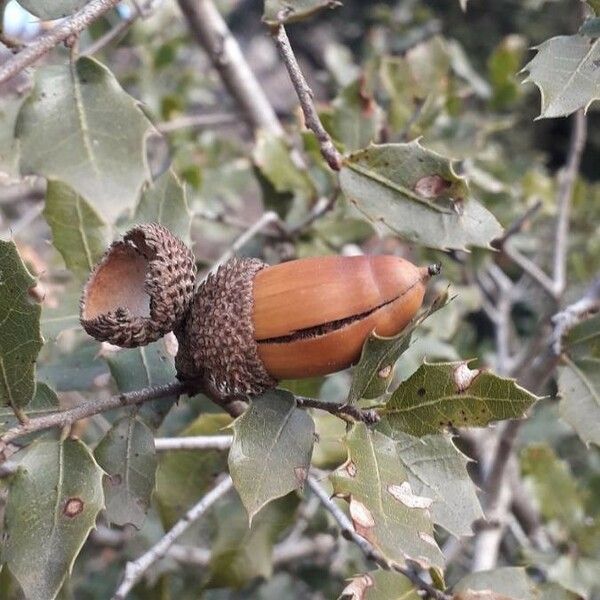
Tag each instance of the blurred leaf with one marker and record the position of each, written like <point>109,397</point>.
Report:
<point>288,11</point>
<point>44,402</point>
<point>126,453</point>
<point>564,69</point>
<point>56,9</point>
<point>52,505</point>
<point>9,148</point>
<point>445,395</point>
<point>554,591</point>
<point>591,28</point>
<point>241,553</point>
<point>374,371</point>
<point>271,450</point>
<point>503,66</point>
<point>355,119</point>
<point>578,574</point>
<point>380,585</point>
<point>61,313</point>
<point>547,474</point>
<point>138,368</point>
<point>79,127</point>
<point>328,451</point>
<point>20,339</point>
<point>384,508</point>
<point>79,233</point>
<point>415,193</point>
<point>506,581</point>
<point>165,202</point>
<point>437,469</point>
<point>183,476</point>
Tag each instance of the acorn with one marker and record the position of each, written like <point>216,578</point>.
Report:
<point>251,324</point>
<point>141,289</point>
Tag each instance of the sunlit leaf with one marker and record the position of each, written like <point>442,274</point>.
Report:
<point>20,339</point>
<point>384,507</point>
<point>445,395</point>
<point>271,450</point>
<point>52,505</point>
<point>52,10</point>
<point>566,73</point>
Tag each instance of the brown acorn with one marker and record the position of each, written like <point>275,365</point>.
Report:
<point>251,325</point>
<point>141,288</point>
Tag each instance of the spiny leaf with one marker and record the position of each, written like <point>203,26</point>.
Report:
<point>380,585</point>
<point>288,11</point>
<point>79,233</point>
<point>566,73</point>
<point>437,469</point>
<point>127,455</point>
<point>384,507</point>
<point>375,369</point>
<point>445,395</point>
<point>415,193</point>
<point>20,339</point>
<point>165,202</point>
<point>79,127</point>
<point>52,505</point>
<point>271,449</point>
<point>57,9</point>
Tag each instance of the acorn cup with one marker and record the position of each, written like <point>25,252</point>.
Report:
<point>251,325</point>
<point>141,288</point>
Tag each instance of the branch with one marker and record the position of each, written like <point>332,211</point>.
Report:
<point>69,27</point>
<point>305,95</point>
<point>367,549</point>
<point>197,442</point>
<point>91,408</point>
<point>212,33</point>
<point>563,200</point>
<point>368,416</point>
<point>136,569</point>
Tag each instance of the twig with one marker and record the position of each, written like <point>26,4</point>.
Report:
<point>212,33</point>
<point>529,267</point>
<point>563,200</point>
<point>197,442</point>
<point>367,549</point>
<point>136,569</point>
<point>69,27</point>
<point>368,416</point>
<point>305,95</point>
<point>90,408</point>
<point>517,225</point>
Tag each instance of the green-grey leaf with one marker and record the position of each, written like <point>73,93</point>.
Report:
<point>44,402</point>
<point>165,202</point>
<point>374,371</point>
<point>383,505</point>
<point>288,11</point>
<point>147,366</point>
<point>78,126</point>
<point>591,28</point>
<point>564,69</point>
<point>380,585</point>
<point>508,581</point>
<point>20,339</point>
<point>79,233</point>
<point>415,193</point>
<point>241,552</point>
<point>445,395</point>
<point>437,469</point>
<point>61,315</point>
<point>52,505</point>
<point>183,476</point>
<point>127,455</point>
<point>56,9</point>
<point>271,449</point>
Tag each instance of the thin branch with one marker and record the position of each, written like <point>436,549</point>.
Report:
<point>531,269</point>
<point>518,225</point>
<point>563,200</point>
<point>305,95</point>
<point>135,570</point>
<point>212,33</point>
<point>91,408</point>
<point>368,416</point>
<point>71,26</point>
<point>367,549</point>
<point>197,442</point>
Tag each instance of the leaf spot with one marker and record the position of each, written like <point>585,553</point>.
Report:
<point>428,539</point>
<point>73,507</point>
<point>301,473</point>
<point>431,186</point>
<point>403,493</point>
<point>464,377</point>
<point>385,372</point>
<point>362,518</point>
<point>421,392</point>
<point>350,468</point>
<point>357,588</point>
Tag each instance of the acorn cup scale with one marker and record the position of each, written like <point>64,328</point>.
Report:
<point>248,325</point>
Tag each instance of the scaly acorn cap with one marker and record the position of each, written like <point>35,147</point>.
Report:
<point>251,325</point>
<point>141,288</point>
